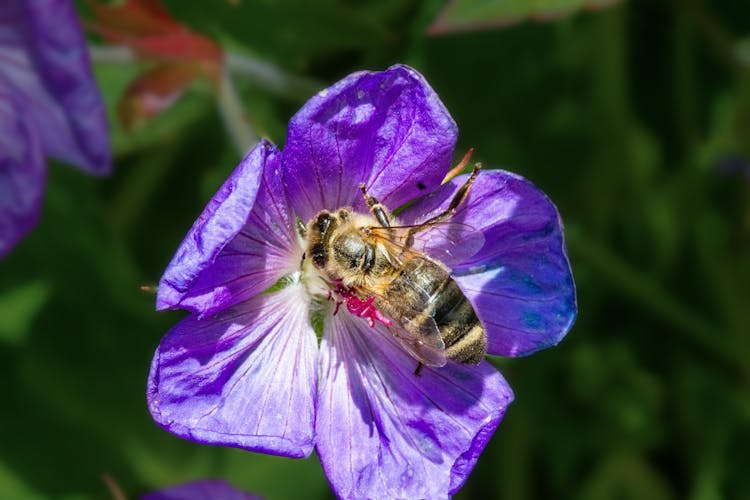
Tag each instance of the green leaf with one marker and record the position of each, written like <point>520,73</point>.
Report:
<point>12,486</point>
<point>19,307</point>
<point>470,15</point>
<point>625,474</point>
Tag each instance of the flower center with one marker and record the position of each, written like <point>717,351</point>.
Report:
<point>339,262</point>
<point>313,280</point>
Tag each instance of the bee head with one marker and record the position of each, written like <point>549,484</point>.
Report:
<point>317,236</point>
<point>319,232</point>
<point>331,243</point>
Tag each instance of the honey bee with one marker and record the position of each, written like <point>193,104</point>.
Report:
<point>383,272</point>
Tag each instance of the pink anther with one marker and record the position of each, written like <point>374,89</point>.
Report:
<point>361,308</point>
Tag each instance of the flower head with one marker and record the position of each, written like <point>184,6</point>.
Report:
<point>49,107</point>
<point>245,369</point>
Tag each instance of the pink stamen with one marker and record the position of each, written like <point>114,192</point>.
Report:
<point>359,307</point>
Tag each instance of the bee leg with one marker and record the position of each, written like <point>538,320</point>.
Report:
<point>419,369</point>
<point>301,229</point>
<point>458,198</point>
<point>376,208</point>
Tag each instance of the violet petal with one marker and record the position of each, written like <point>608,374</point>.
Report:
<point>261,252</point>
<point>245,377</point>
<point>237,247</point>
<point>44,57</point>
<point>520,282</point>
<point>22,172</point>
<point>383,432</point>
<point>388,130</point>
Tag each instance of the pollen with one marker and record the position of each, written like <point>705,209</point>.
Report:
<point>312,280</point>
<point>358,307</point>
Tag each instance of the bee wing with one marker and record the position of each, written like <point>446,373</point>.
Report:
<point>417,333</point>
<point>451,243</point>
<point>426,346</point>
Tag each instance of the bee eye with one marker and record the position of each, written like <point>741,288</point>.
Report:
<point>318,254</point>
<point>323,222</point>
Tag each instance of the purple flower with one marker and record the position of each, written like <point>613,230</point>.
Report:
<point>245,368</point>
<point>205,489</point>
<point>49,107</point>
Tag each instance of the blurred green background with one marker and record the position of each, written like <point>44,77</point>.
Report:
<point>635,119</point>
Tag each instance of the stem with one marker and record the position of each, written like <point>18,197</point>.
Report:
<point>115,490</point>
<point>272,78</point>
<point>111,54</point>
<point>230,106</point>
<point>234,118</point>
<point>264,74</point>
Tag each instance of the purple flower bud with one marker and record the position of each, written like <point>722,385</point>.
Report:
<point>205,489</point>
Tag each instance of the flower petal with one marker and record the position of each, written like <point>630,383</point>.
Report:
<point>44,57</point>
<point>383,432</point>
<point>520,282</point>
<point>22,172</point>
<point>387,129</point>
<point>245,377</point>
<point>241,244</point>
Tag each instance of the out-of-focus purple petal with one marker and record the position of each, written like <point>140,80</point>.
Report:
<point>232,251</point>
<point>383,432</point>
<point>520,282</point>
<point>386,129</point>
<point>205,489</point>
<point>244,378</point>
<point>264,249</point>
<point>22,172</point>
<point>44,57</point>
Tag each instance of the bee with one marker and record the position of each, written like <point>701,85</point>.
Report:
<point>383,272</point>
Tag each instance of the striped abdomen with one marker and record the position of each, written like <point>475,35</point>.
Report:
<point>423,289</point>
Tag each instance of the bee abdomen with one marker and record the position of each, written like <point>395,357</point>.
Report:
<point>428,288</point>
<point>462,333</point>
<point>470,348</point>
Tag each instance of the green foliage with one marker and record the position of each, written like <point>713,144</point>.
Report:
<point>18,307</point>
<point>620,115</point>
<point>465,15</point>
